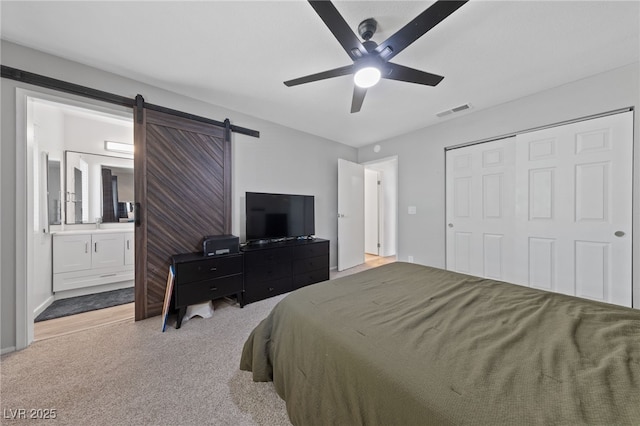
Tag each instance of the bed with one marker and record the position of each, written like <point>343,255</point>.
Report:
<point>404,344</point>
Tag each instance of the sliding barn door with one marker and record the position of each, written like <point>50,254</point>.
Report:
<point>183,192</point>
<point>550,209</point>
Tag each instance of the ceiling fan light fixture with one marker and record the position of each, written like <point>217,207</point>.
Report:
<point>367,77</point>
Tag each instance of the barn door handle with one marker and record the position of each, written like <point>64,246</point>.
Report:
<point>619,233</point>
<point>136,214</point>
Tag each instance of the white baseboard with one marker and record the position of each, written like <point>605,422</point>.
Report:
<point>44,305</point>
<point>7,350</point>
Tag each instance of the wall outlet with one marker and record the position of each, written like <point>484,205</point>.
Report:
<point>410,259</point>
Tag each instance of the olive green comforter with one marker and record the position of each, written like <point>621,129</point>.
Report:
<point>405,344</point>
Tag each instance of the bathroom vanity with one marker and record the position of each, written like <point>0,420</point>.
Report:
<point>86,258</point>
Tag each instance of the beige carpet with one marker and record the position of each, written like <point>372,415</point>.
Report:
<point>133,374</point>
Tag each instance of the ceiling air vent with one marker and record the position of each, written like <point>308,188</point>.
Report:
<point>452,110</point>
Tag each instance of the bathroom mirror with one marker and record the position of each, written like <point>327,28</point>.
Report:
<point>98,188</point>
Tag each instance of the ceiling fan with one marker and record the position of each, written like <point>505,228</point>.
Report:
<point>371,60</point>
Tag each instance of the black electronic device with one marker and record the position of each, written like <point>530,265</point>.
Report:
<point>220,244</point>
<point>276,216</point>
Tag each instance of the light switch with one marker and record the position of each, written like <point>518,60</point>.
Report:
<point>413,210</point>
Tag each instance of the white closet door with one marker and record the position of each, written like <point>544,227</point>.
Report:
<point>574,208</point>
<point>563,223</point>
<point>480,209</point>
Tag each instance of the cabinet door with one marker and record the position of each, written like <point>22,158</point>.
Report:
<point>129,248</point>
<point>71,253</point>
<point>108,250</point>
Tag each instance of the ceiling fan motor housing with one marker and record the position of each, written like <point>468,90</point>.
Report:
<point>367,28</point>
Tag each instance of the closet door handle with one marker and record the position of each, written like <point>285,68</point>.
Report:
<point>95,247</point>
<point>86,247</point>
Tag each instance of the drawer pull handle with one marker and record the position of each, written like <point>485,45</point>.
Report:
<point>213,269</point>
<point>108,275</point>
<point>213,288</point>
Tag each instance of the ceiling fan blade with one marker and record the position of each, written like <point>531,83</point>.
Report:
<point>358,97</point>
<point>339,27</point>
<point>337,72</point>
<point>417,28</point>
<point>410,75</point>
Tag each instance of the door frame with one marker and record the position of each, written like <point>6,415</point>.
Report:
<point>24,259</point>
<point>385,213</point>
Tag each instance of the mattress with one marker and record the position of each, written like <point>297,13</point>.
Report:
<point>407,344</point>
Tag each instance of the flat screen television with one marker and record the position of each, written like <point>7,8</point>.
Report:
<point>277,216</point>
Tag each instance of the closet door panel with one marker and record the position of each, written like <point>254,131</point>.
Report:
<point>576,184</point>
<point>550,209</point>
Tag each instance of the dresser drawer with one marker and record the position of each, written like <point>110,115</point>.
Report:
<point>267,256</point>
<point>264,290</point>
<point>209,268</point>
<point>311,277</point>
<point>267,272</point>
<point>197,292</point>
<point>310,264</point>
<point>311,249</point>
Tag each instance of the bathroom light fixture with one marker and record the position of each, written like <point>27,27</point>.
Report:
<point>367,77</point>
<point>118,147</point>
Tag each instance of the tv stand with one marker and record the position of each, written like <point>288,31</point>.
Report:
<point>274,268</point>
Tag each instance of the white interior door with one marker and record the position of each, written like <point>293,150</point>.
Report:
<point>350,214</point>
<point>563,223</point>
<point>480,209</point>
<point>371,212</point>
<point>575,208</point>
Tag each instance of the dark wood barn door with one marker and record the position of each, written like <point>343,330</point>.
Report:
<point>183,190</point>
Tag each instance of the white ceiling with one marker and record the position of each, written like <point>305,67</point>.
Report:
<point>237,54</point>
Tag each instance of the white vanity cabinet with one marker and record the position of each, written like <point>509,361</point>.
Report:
<point>92,258</point>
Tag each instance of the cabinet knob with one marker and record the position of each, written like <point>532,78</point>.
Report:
<point>270,288</point>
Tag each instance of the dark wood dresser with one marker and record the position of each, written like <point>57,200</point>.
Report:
<point>201,278</point>
<point>276,268</point>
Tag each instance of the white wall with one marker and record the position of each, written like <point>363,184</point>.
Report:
<point>84,134</point>
<point>282,160</point>
<point>421,161</point>
<point>287,161</point>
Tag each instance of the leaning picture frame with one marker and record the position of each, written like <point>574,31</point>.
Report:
<point>167,297</point>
